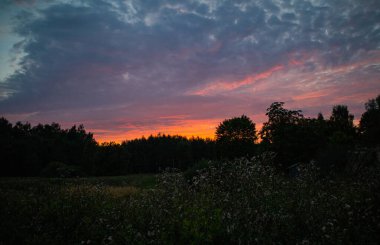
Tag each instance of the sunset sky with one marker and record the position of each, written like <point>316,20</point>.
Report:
<point>127,68</point>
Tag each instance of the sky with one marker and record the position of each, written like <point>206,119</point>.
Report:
<point>128,68</point>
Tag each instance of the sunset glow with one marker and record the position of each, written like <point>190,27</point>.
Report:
<point>188,128</point>
<point>127,69</point>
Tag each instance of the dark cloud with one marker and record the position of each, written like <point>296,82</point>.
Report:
<point>145,56</point>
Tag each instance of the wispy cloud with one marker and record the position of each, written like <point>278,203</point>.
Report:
<point>105,61</point>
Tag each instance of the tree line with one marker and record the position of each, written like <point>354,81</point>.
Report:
<point>49,150</point>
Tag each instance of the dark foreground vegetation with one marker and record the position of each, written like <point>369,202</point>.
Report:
<point>240,201</point>
<point>309,180</point>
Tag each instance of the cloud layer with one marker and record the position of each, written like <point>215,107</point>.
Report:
<point>128,68</point>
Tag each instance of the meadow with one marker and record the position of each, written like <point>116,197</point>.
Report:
<point>245,201</point>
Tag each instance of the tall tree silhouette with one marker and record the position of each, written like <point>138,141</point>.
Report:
<point>236,129</point>
<point>278,118</point>
<point>370,122</point>
<point>236,137</point>
<point>341,118</point>
<point>342,126</point>
<point>293,137</point>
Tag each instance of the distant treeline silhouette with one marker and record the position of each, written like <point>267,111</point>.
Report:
<point>334,144</point>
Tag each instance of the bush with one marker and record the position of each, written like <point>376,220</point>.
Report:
<point>194,170</point>
<point>248,201</point>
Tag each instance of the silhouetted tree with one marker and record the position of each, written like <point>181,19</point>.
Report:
<point>342,130</point>
<point>52,151</point>
<point>28,150</point>
<point>283,133</point>
<point>320,117</point>
<point>278,117</point>
<point>236,137</point>
<point>155,153</point>
<point>341,119</point>
<point>341,136</point>
<point>110,160</point>
<point>7,148</point>
<point>236,129</point>
<point>291,136</point>
<point>370,122</point>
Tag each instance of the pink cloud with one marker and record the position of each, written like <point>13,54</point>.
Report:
<point>225,86</point>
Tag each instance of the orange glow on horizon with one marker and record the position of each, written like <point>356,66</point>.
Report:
<point>204,129</point>
<point>294,82</point>
<point>187,128</point>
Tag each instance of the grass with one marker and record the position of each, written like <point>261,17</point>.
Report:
<point>242,201</point>
<point>61,211</point>
<point>136,180</point>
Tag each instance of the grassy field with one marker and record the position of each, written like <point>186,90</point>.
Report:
<point>64,210</point>
<point>135,180</point>
<point>244,201</point>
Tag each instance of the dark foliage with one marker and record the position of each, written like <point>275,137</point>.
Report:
<point>297,139</point>
<point>370,122</point>
<point>27,151</point>
<point>236,137</point>
<point>156,153</point>
<point>236,129</point>
<point>292,136</point>
<point>49,150</point>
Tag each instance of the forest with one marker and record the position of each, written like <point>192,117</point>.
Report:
<point>334,143</point>
<point>297,180</point>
